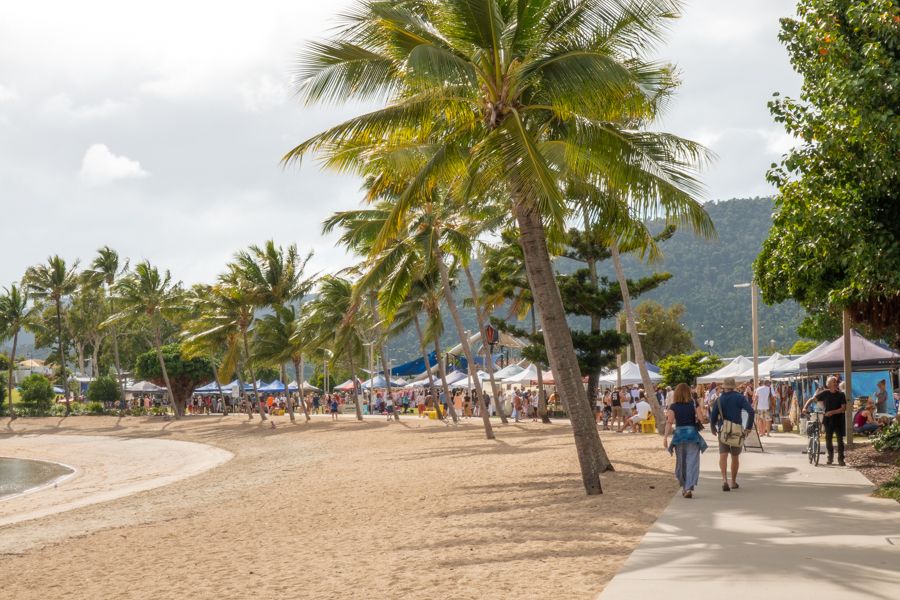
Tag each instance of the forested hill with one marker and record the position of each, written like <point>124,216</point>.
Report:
<point>704,273</point>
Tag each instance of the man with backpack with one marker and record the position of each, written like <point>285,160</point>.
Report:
<point>726,422</point>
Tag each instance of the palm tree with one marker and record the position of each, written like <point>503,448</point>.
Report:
<point>105,270</point>
<point>279,339</point>
<point>337,320</point>
<point>523,96</point>
<point>15,314</point>
<point>147,294</point>
<point>52,283</point>
<point>274,277</point>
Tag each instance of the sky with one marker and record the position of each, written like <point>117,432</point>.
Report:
<point>157,127</point>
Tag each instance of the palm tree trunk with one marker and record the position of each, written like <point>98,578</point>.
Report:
<point>12,365</point>
<point>473,368</point>
<point>287,393</point>
<point>482,325</point>
<point>165,372</point>
<point>119,376</point>
<point>62,354</point>
<point>384,361</point>
<point>300,382</point>
<point>215,371</point>
<point>542,399</point>
<point>356,402</point>
<point>240,377</point>
<point>593,378</point>
<point>95,356</point>
<point>422,348</point>
<point>443,373</point>
<point>259,401</point>
<point>560,350</point>
<point>649,388</point>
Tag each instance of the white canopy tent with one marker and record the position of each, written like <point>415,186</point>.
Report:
<point>508,371</point>
<point>308,387</point>
<point>765,368</point>
<point>631,375</point>
<point>736,368</point>
<point>526,376</point>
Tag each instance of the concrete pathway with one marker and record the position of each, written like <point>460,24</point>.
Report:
<point>791,531</point>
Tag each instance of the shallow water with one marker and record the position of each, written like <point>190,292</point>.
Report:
<point>17,475</point>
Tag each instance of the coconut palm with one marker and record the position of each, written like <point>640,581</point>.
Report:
<point>279,339</point>
<point>146,294</point>
<point>511,94</point>
<point>52,283</point>
<point>337,320</point>
<point>15,314</point>
<point>274,277</point>
<point>104,271</point>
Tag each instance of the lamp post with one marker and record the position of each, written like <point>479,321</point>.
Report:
<point>755,324</point>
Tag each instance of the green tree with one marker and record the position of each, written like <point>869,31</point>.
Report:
<point>36,394</point>
<point>520,96</point>
<point>103,389</point>
<point>15,314</point>
<point>661,330</point>
<point>169,366</point>
<point>146,295</point>
<point>686,368</point>
<point>802,346</point>
<point>835,242</point>
<point>104,271</point>
<point>52,283</point>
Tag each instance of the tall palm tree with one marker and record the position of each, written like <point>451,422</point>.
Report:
<point>147,294</point>
<point>274,276</point>
<point>104,271</point>
<point>511,94</point>
<point>279,339</point>
<point>52,283</point>
<point>15,314</point>
<point>337,320</point>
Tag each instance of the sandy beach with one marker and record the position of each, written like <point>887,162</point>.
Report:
<point>413,509</point>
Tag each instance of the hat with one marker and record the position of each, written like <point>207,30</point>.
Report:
<point>728,383</point>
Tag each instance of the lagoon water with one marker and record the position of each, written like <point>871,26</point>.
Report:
<point>18,475</point>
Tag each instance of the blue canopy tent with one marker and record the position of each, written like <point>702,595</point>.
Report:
<point>210,388</point>
<point>275,386</point>
<point>378,382</point>
<point>413,367</point>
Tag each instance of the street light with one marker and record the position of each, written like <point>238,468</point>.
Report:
<point>755,324</point>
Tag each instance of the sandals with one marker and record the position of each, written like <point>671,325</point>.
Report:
<point>725,487</point>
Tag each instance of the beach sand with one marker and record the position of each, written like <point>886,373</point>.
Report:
<point>413,509</point>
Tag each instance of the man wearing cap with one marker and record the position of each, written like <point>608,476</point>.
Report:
<point>730,407</point>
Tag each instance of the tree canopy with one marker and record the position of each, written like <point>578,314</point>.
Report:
<point>835,241</point>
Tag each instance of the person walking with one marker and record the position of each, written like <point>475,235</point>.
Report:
<point>762,404</point>
<point>835,404</point>
<point>616,404</point>
<point>686,444</point>
<point>725,421</point>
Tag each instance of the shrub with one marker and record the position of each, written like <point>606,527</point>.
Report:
<point>888,439</point>
<point>37,394</point>
<point>94,408</point>
<point>59,410</point>
<point>103,389</point>
<point>686,368</point>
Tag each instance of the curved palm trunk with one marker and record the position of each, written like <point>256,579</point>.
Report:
<point>62,354</point>
<point>593,378</point>
<point>298,371</point>
<point>542,398</point>
<point>356,402</point>
<point>560,350</point>
<point>215,371</point>
<point>488,359</point>
<point>649,388</point>
<point>95,357</point>
<point>259,401</point>
<point>289,402</point>
<point>427,366</point>
<point>443,373</point>
<point>119,377</point>
<point>12,364</point>
<point>165,373</point>
<point>473,371</point>
<point>384,361</point>
<point>245,403</point>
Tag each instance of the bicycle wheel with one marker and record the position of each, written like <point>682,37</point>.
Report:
<point>815,444</point>
<point>810,450</point>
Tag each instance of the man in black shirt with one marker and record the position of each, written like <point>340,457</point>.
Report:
<point>835,406</point>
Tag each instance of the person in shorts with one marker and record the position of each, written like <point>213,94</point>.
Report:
<point>333,408</point>
<point>730,406</point>
<point>616,407</point>
<point>762,403</point>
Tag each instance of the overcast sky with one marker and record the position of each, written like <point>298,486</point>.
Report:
<point>157,127</point>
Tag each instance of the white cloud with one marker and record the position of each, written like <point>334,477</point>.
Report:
<point>100,166</point>
<point>264,93</point>
<point>61,105</point>
<point>7,94</point>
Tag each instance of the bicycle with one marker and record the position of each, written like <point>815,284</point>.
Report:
<point>814,432</point>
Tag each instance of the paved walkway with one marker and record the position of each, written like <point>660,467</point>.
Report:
<point>791,531</point>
